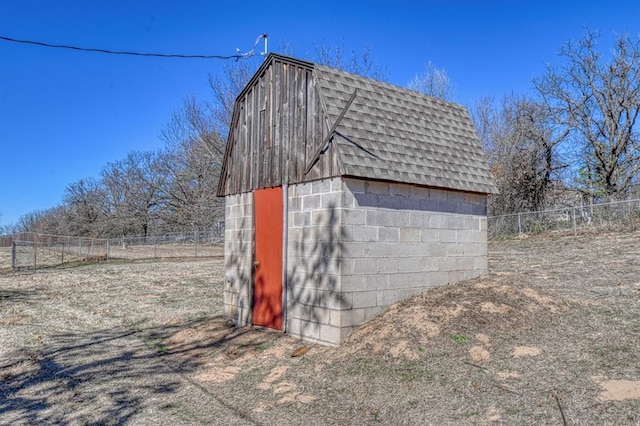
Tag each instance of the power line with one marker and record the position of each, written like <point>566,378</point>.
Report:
<point>157,55</point>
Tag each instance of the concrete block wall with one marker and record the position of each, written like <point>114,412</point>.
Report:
<point>398,240</point>
<point>354,248</point>
<point>238,258</point>
<point>314,301</point>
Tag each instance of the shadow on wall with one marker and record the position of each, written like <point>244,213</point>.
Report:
<point>314,268</point>
<point>239,282</point>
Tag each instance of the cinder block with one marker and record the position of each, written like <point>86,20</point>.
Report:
<point>472,249</point>
<point>335,317</point>
<point>456,276</point>
<point>298,310</point>
<point>480,264</point>
<point>301,189</point>
<point>465,208</point>
<point>353,317</point>
<point>371,313</point>
<point>400,190</point>
<point>419,220</point>
<point>373,250</point>
<point>353,249</point>
<point>409,234</point>
<point>438,221</point>
<point>301,218</point>
<point>463,263</point>
<point>364,233</point>
<point>388,265</point>
<point>472,198</point>
<point>456,222</point>
<point>428,235</point>
<point>437,194</point>
<point>429,205</point>
<point>356,186</point>
<point>406,293</point>
<point>336,185</point>
<point>320,314</point>
<point>407,203</point>
<point>447,264</point>
<point>365,266</point>
<point>293,326</point>
<point>353,217</point>
<point>388,233</point>
<point>479,209</point>
<point>437,279</point>
<point>365,299</point>
<point>455,249</point>
<point>311,202</point>
<point>330,334</point>
<point>411,264</point>
<point>388,297</point>
<point>448,236</point>
<point>399,280</point>
<point>374,187</point>
<point>455,196</point>
<point>310,330</point>
<point>331,200</point>
<point>366,200</point>
<point>320,186</point>
<point>350,283</point>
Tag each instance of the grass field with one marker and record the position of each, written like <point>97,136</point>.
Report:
<point>551,335</point>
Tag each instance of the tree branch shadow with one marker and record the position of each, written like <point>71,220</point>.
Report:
<point>111,375</point>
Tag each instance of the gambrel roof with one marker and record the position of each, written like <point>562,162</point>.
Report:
<point>368,129</point>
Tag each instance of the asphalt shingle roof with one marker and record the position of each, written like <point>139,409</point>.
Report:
<point>394,134</point>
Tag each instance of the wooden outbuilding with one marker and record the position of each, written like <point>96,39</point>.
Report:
<point>345,195</point>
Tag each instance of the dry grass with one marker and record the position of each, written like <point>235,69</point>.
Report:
<point>551,332</point>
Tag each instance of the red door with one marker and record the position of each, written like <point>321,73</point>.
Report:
<point>267,291</point>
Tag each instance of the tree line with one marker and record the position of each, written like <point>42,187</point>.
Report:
<point>573,139</point>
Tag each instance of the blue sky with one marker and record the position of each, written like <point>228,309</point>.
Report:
<point>65,114</point>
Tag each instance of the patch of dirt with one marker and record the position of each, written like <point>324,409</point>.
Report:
<point>13,320</point>
<point>617,390</point>
<point>495,301</point>
<point>520,351</point>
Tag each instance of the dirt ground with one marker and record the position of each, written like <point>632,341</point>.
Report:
<point>551,335</point>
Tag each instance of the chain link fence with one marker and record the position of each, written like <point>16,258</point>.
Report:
<point>613,216</point>
<point>33,251</point>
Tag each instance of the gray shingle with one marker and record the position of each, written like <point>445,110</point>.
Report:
<point>403,136</point>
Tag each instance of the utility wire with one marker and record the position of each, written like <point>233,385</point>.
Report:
<point>157,55</point>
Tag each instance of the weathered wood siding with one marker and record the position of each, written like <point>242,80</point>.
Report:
<point>278,125</point>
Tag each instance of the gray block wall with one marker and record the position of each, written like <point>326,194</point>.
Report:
<point>354,248</point>
<point>238,258</point>
<point>314,299</point>
<point>399,240</point>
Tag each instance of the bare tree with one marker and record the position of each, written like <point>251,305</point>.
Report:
<point>523,150</point>
<point>191,165</point>
<point>88,207</point>
<point>599,100</point>
<point>225,89</point>
<point>334,57</point>
<point>433,82</point>
<point>131,187</point>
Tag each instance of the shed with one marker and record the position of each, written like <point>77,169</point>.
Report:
<point>343,196</point>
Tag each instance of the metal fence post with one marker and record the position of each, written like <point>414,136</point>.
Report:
<point>35,252</point>
<point>519,225</point>
<point>107,249</point>
<point>575,228</point>
<point>13,255</point>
